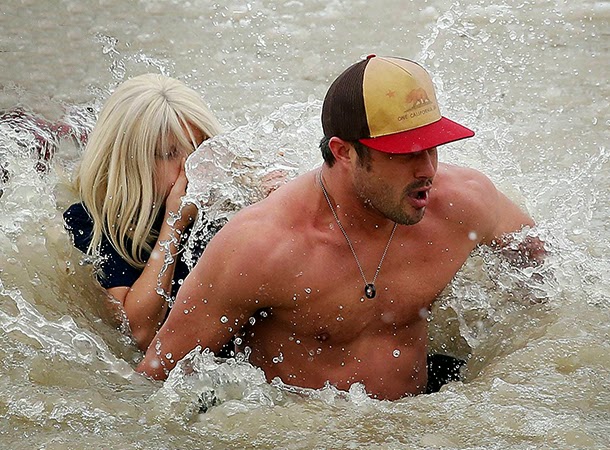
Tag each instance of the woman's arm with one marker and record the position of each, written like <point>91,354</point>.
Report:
<point>145,308</point>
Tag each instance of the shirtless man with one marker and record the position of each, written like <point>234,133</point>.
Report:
<point>332,276</point>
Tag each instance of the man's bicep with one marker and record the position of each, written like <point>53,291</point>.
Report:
<point>506,217</point>
<point>209,310</point>
<point>521,250</point>
<point>187,326</point>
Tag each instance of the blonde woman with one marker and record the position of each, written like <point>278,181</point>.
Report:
<point>131,181</point>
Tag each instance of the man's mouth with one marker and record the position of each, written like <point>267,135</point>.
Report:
<point>419,198</point>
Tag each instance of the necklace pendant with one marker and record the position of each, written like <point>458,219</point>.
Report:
<point>369,288</point>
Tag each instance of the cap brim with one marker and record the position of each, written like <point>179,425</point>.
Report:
<point>437,133</point>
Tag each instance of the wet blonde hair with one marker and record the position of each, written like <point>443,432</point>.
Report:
<point>116,177</point>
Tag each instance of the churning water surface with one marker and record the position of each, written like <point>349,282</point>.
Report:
<point>530,77</point>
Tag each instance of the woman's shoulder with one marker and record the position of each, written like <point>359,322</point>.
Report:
<point>114,270</point>
<point>77,213</point>
<point>80,224</point>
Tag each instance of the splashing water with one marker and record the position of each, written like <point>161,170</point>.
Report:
<point>527,76</point>
<point>240,167</point>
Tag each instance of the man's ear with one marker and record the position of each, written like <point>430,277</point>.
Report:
<point>341,149</point>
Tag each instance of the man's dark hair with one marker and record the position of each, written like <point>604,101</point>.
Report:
<point>363,152</point>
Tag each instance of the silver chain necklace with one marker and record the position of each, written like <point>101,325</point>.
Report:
<point>369,288</point>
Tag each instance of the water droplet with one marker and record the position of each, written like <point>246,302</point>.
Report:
<point>308,290</point>
<point>396,353</point>
<point>472,235</point>
<point>387,317</point>
<point>224,319</point>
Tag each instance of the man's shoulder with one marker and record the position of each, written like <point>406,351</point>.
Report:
<point>281,209</point>
<point>252,226</point>
<point>267,223</point>
<point>480,203</point>
<point>255,248</point>
<point>465,194</point>
<point>466,185</point>
<point>458,177</point>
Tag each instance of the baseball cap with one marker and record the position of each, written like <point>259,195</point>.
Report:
<point>388,104</point>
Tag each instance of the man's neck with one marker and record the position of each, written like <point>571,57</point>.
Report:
<point>354,212</point>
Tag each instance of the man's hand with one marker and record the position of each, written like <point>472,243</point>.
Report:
<point>527,252</point>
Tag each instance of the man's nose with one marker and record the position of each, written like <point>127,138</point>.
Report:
<point>426,163</point>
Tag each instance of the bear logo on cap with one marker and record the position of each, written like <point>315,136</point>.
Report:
<point>417,97</point>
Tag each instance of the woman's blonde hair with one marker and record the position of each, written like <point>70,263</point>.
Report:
<point>116,177</point>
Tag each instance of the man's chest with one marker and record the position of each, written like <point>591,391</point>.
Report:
<point>326,292</point>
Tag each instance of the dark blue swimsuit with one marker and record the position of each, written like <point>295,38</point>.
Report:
<point>115,271</point>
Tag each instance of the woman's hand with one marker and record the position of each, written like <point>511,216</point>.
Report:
<point>272,181</point>
<point>187,211</point>
<point>144,306</point>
